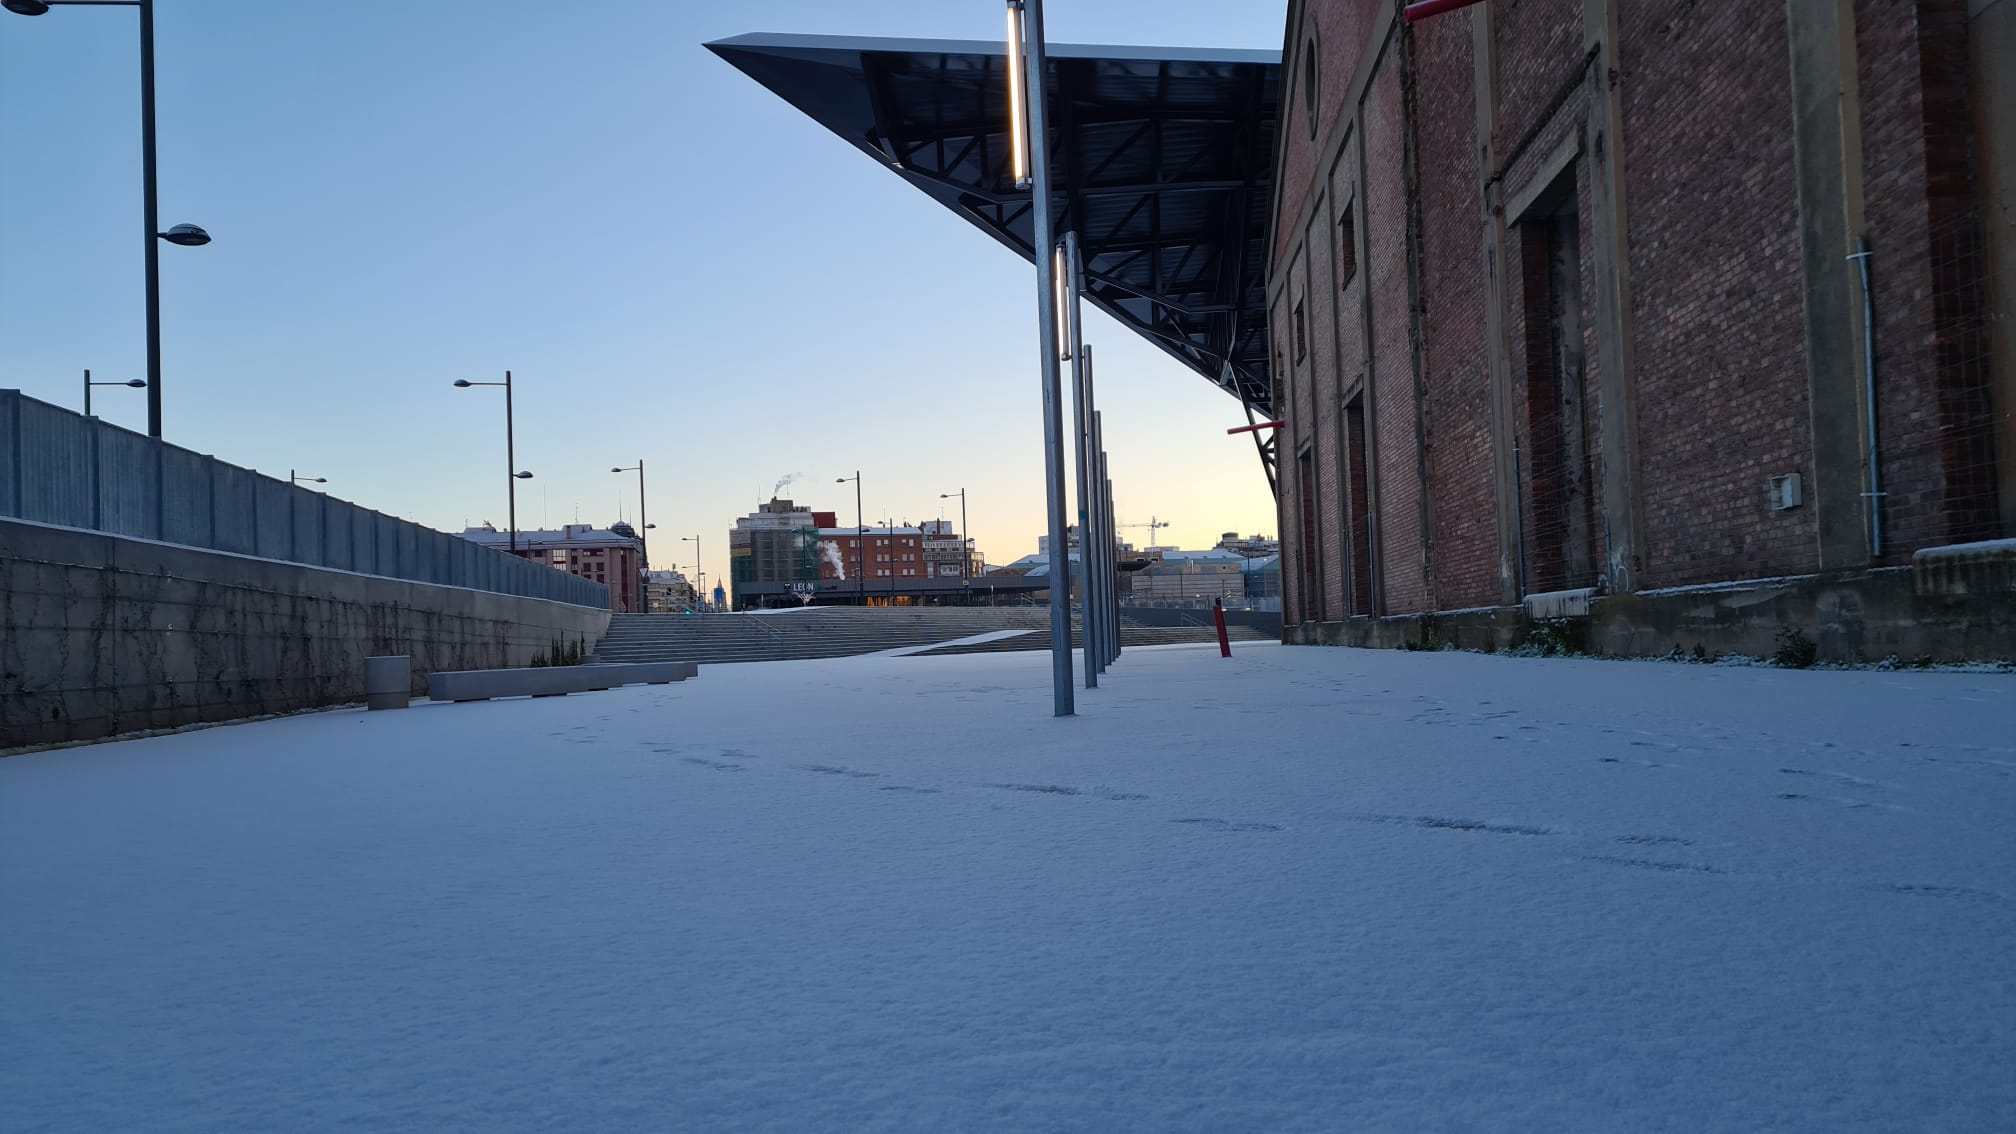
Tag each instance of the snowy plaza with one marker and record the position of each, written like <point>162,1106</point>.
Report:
<point>1302,889</point>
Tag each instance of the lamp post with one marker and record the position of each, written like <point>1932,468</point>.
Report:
<point>89,382</point>
<point>294,477</point>
<point>965,537</point>
<point>697,561</point>
<point>643,520</point>
<point>510,447</point>
<point>860,539</point>
<point>889,528</point>
<point>186,235</point>
<point>1029,133</point>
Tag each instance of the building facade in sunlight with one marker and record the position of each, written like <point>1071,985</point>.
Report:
<point>611,556</point>
<point>1588,298</point>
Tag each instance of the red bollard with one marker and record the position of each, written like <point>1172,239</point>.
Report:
<point>1218,616</point>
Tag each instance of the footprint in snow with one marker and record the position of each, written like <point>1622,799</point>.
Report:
<point>1059,789</point>
<point>1226,825</point>
<point>717,765</point>
<point>834,770</point>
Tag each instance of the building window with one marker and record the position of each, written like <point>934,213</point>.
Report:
<point>1309,82</point>
<point>1301,334</point>
<point>1347,249</point>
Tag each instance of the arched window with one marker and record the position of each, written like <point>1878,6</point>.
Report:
<point>1309,81</point>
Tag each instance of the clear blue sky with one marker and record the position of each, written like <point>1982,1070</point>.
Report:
<point>673,262</point>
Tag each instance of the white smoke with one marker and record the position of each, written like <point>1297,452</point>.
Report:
<point>784,482</point>
<point>831,551</point>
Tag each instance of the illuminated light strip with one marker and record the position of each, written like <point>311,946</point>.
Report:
<point>1018,114</point>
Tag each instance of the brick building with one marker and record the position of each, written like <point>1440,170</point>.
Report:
<point>877,553</point>
<point>611,556</point>
<point>1561,297</point>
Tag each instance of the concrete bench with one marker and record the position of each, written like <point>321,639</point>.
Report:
<point>551,681</point>
<point>648,672</point>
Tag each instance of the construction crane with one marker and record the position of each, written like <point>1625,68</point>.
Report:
<point>1151,525</point>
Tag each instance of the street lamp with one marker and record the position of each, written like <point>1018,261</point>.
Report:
<point>965,538</point>
<point>1028,72</point>
<point>695,541</point>
<point>860,539</point>
<point>510,446</point>
<point>643,544</point>
<point>296,478</point>
<point>889,529</point>
<point>185,235</point>
<point>135,383</point>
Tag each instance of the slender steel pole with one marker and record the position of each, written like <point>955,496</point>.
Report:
<point>1081,425</point>
<point>511,459</point>
<point>1036,88</point>
<point>860,545</point>
<point>644,521</point>
<point>87,393</point>
<point>150,221</point>
<point>965,542</point>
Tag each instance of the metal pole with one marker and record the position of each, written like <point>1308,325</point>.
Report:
<point>1875,494</point>
<point>1108,600</point>
<point>87,393</point>
<point>511,459</point>
<point>965,542</point>
<point>1094,542</point>
<point>860,546</point>
<point>1035,85</point>
<point>150,221</point>
<point>1081,425</point>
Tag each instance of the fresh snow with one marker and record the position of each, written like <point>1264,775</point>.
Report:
<point>1299,890</point>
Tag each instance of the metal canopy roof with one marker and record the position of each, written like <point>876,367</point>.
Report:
<point>1163,160</point>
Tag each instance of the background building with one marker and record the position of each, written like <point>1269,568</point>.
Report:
<point>611,556</point>
<point>668,592</point>
<point>783,554</point>
<point>1563,297</point>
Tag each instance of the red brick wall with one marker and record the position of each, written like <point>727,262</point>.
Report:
<point>1713,267</point>
<point>1453,302</point>
<point>1931,354</point>
<point>1540,52</point>
<point>1346,301</point>
<point>1384,208</point>
<point>1716,290</point>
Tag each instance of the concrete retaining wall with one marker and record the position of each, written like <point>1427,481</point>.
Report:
<point>1858,616</point>
<point>101,634</point>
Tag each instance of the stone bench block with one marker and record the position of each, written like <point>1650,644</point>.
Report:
<point>543,681</point>
<point>647,673</point>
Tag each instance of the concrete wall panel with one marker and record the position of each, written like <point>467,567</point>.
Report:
<point>56,479</point>
<point>129,483</point>
<point>102,634</point>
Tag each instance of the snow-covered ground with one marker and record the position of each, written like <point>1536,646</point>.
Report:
<point>1304,889</point>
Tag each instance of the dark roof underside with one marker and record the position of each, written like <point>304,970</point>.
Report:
<point>1164,159</point>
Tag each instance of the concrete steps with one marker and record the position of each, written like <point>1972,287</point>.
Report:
<point>1130,636</point>
<point>826,632</point>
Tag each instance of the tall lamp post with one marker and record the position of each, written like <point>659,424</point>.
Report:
<point>643,520</point>
<point>186,235</point>
<point>965,537</point>
<point>697,561</point>
<point>860,539</point>
<point>1029,151</point>
<point>889,529</point>
<point>89,382</point>
<point>510,447</point>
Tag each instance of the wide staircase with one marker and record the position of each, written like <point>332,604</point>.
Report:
<point>838,631</point>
